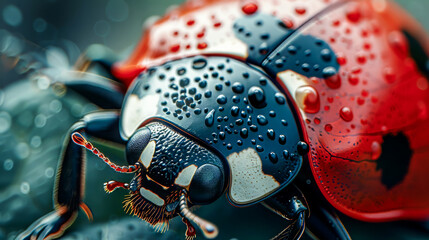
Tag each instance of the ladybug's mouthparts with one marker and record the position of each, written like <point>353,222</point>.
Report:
<point>81,141</point>
<point>209,229</point>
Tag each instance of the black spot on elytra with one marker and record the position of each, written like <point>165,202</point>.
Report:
<point>418,53</point>
<point>394,160</point>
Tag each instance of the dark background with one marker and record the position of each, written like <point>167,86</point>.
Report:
<point>33,121</point>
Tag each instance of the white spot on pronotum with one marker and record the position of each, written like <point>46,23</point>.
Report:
<point>147,154</point>
<point>248,181</point>
<point>152,197</point>
<point>185,176</point>
<point>137,110</point>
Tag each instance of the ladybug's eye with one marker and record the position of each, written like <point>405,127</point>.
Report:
<point>137,144</point>
<point>207,184</point>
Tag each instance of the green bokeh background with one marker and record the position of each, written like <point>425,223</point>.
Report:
<point>116,24</point>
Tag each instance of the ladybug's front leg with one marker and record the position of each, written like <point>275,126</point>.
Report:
<point>92,78</point>
<point>291,205</point>
<point>69,185</point>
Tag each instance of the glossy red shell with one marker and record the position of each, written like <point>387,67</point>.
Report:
<point>378,91</point>
<point>204,27</point>
<point>382,93</point>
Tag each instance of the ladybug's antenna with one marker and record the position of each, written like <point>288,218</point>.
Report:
<point>80,140</point>
<point>209,229</point>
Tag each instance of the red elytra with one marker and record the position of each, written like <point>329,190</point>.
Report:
<point>344,143</point>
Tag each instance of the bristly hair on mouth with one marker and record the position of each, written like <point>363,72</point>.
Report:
<point>158,217</point>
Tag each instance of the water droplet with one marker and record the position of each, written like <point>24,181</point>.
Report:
<point>353,79</point>
<point>286,154</point>
<point>273,157</point>
<point>326,54</point>
<point>40,120</point>
<point>375,150</point>
<point>25,188</point>
<point>209,120</point>
<point>280,98</point>
<point>346,114</point>
<point>55,106</point>
<point>292,49</point>
<point>49,172</point>
<point>302,148</point>
<point>237,87</point>
<point>341,59</point>
<point>316,121</point>
<point>175,48</point>
<point>222,135</point>
<point>271,134</point>
<point>221,99</point>
<point>203,84</point>
<point>190,22</point>
<point>300,10</point>
<point>257,97</point>
<point>389,75</point>
<point>328,127</point>
<point>308,99</point>
<point>329,72</point>
<point>36,141</point>
<point>234,111</point>
<point>353,13</point>
<point>244,133</point>
<point>253,128</point>
<point>262,120</point>
<point>398,43</point>
<point>199,63</point>
<point>8,164</point>
<point>22,150</point>
<point>263,48</point>
<point>282,139</point>
<point>361,58</point>
<point>12,15</point>
<point>259,148</point>
<point>249,8</point>
<point>184,82</point>
<point>202,45</point>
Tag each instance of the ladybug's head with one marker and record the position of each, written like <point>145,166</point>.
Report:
<point>172,167</point>
<point>171,171</point>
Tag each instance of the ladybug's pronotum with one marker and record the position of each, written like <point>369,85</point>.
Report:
<point>303,106</point>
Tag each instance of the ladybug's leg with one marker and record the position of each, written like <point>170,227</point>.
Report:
<point>93,80</point>
<point>291,205</point>
<point>323,223</point>
<point>103,92</point>
<point>97,59</point>
<point>69,185</point>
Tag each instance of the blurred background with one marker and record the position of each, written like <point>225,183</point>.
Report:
<point>34,119</point>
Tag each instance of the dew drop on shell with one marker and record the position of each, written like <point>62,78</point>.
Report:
<point>308,99</point>
<point>346,114</point>
<point>209,120</point>
<point>257,97</point>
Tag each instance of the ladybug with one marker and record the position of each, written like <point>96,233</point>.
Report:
<point>302,106</point>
